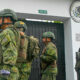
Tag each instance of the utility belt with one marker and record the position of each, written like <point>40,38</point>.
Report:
<point>54,64</point>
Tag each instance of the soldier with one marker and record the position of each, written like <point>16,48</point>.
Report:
<point>9,45</point>
<point>77,66</point>
<point>48,57</point>
<point>29,49</point>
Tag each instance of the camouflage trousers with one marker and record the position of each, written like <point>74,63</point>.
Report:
<point>24,70</point>
<point>49,73</point>
<point>14,73</point>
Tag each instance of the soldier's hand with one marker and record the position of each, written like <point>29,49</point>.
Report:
<point>22,33</point>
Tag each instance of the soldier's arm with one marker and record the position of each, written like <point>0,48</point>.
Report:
<point>51,55</point>
<point>8,47</point>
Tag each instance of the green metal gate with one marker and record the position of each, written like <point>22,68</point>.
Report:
<point>36,29</point>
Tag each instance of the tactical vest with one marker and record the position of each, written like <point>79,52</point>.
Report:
<point>51,62</point>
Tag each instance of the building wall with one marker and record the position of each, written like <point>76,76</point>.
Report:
<point>68,50</point>
<point>75,43</point>
<point>71,28</point>
<point>54,7</point>
<point>71,47</point>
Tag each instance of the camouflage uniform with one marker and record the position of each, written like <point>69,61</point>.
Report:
<point>9,53</point>
<point>9,44</point>
<point>29,50</point>
<point>48,59</point>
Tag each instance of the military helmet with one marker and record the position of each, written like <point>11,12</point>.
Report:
<point>48,35</point>
<point>20,24</point>
<point>8,13</point>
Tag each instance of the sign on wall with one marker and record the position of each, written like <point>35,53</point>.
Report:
<point>42,11</point>
<point>77,36</point>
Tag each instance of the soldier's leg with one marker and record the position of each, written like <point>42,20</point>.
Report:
<point>49,74</point>
<point>25,71</point>
<point>54,77</point>
<point>14,74</point>
<point>53,72</point>
<point>45,77</point>
<point>22,71</point>
<point>24,76</point>
<point>48,77</point>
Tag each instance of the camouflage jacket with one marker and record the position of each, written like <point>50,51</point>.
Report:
<point>9,41</point>
<point>49,55</point>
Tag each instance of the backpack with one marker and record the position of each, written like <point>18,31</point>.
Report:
<point>22,52</point>
<point>33,48</point>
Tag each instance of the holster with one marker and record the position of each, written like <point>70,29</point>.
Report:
<point>54,64</point>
